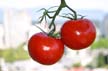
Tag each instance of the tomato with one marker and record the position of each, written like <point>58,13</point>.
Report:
<point>78,34</point>
<point>45,49</point>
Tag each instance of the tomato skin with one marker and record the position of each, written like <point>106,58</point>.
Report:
<point>78,34</point>
<point>45,49</point>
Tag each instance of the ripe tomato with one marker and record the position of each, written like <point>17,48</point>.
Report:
<point>78,34</point>
<point>45,49</point>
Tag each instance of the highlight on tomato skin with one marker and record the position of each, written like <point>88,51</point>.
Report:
<point>44,49</point>
<point>78,34</point>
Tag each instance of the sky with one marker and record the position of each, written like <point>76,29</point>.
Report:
<point>99,5</point>
<point>77,4</point>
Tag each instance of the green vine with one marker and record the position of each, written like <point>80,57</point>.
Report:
<point>52,25</point>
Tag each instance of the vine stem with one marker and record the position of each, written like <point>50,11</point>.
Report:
<point>61,6</point>
<point>75,14</point>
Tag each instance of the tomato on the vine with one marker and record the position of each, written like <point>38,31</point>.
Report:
<point>78,34</point>
<point>45,49</point>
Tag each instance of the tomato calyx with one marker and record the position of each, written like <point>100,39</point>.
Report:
<point>55,34</point>
<point>71,16</point>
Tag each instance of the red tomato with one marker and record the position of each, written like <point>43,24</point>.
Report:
<point>78,34</point>
<point>45,49</point>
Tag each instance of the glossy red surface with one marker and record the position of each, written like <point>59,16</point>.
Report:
<point>78,34</point>
<point>45,49</point>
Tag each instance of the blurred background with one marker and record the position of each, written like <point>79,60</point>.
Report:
<point>17,19</point>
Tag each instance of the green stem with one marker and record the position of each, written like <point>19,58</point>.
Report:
<point>75,14</point>
<point>62,5</point>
